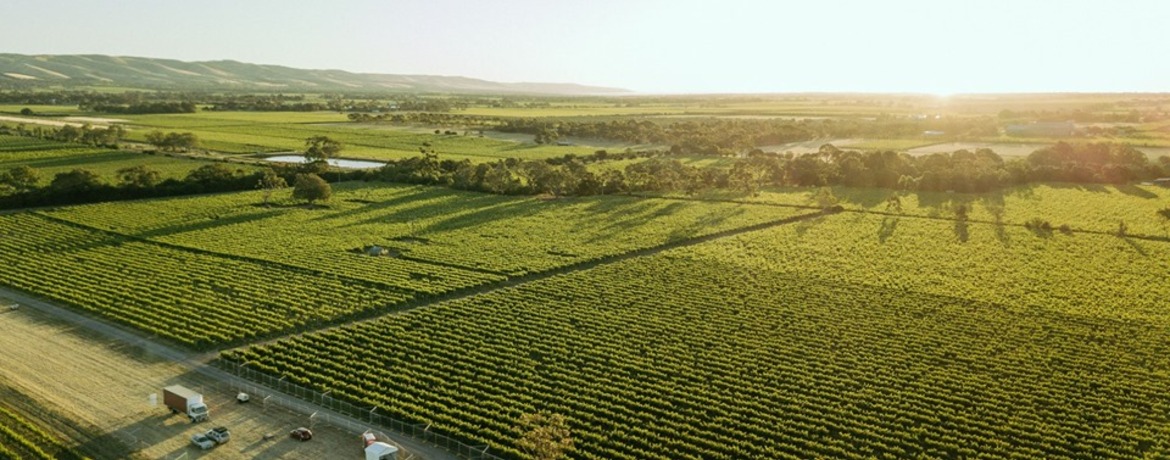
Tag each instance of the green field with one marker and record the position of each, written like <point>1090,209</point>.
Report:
<point>1083,207</point>
<point>50,158</point>
<point>811,340</point>
<point>718,325</point>
<point>20,438</point>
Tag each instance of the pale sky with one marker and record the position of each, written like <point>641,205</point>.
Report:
<point>659,46</point>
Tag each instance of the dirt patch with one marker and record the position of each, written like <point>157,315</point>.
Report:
<point>106,385</point>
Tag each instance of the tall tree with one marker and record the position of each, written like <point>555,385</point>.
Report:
<point>22,178</point>
<point>321,148</point>
<point>311,188</point>
<point>139,177</point>
<point>270,182</point>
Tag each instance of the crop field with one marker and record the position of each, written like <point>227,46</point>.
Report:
<point>50,158</point>
<point>499,235</point>
<point>252,132</point>
<point>813,339</point>
<point>22,438</point>
<point>1083,207</point>
<point>91,392</point>
<point>189,297</point>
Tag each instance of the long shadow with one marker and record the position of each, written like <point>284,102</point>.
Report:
<point>866,198</point>
<point>962,230</point>
<point>452,205</point>
<point>886,230</point>
<point>1136,247</point>
<point>208,224</point>
<point>410,196</point>
<point>1139,192</point>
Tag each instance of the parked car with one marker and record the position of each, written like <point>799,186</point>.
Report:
<point>301,434</point>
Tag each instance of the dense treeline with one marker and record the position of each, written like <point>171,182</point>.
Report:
<point>85,134</point>
<point>147,107</point>
<point>724,137</point>
<point>960,171</point>
<point>85,186</point>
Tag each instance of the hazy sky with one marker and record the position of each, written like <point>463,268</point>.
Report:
<point>923,46</point>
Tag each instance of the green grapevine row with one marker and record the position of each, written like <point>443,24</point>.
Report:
<point>22,439</point>
<point>191,298</point>
<point>683,356</point>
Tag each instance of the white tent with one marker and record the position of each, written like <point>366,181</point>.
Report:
<point>381,451</point>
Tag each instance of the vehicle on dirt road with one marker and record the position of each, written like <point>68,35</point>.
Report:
<point>211,438</point>
<point>301,434</point>
<point>182,399</point>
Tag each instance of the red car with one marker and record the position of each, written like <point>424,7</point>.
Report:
<point>301,434</point>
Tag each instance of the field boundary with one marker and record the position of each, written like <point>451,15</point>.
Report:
<point>424,301</point>
<point>198,363</point>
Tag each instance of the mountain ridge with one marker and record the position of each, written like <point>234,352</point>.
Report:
<point>23,70</point>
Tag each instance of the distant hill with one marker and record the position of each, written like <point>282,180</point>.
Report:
<point>150,73</point>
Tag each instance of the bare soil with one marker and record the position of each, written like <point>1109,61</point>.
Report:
<point>96,391</point>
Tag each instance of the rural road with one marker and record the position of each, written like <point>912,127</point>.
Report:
<point>199,363</point>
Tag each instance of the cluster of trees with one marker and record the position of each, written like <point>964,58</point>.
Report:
<point>715,136</point>
<point>147,107</point>
<point>19,186</point>
<point>85,134</point>
<point>961,171</point>
<point>172,141</point>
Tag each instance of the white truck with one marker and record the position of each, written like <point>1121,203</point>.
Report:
<point>211,438</point>
<point>181,399</point>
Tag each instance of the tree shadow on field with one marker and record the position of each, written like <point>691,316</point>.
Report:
<point>413,197</point>
<point>214,222</point>
<point>962,230</point>
<point>886,230</point>
<point>139,350</point>
<point>866,198</point>
<point>1133,190</point>
<point>1136,246</point>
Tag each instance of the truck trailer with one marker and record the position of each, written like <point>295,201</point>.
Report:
<point>181,399</point>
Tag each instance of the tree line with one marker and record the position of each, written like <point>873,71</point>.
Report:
<point>20,186</point>
<point>960,171</point>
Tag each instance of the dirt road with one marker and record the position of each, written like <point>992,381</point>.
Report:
<point>103,376</point>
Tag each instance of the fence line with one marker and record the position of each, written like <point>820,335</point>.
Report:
<point>264,394</point>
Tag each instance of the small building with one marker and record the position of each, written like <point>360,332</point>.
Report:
<point>1041,129</point>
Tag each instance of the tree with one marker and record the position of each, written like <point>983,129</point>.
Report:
<point>311,187</point>
<point>139,177</point>
<point>26,111</point>
<point>544,436</point>
<point>22,178</point>
<point>212,176</point>
<point>76,181</point>
<point>270,182</point>
<point>321,148</point>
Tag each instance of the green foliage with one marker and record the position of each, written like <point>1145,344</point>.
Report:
<point>21,178</point>
<point>321,148</point>
<point>544,436</point>
<point>190,297</point>
<point>742,347</point>
<point>77,181</point>
<point>139,177</point>
<point>48,158</point>
<point>172,141</point>
<point>20,438</point>
<point>311,188</point>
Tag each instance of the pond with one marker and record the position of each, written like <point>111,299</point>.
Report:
<point>338,162</point>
